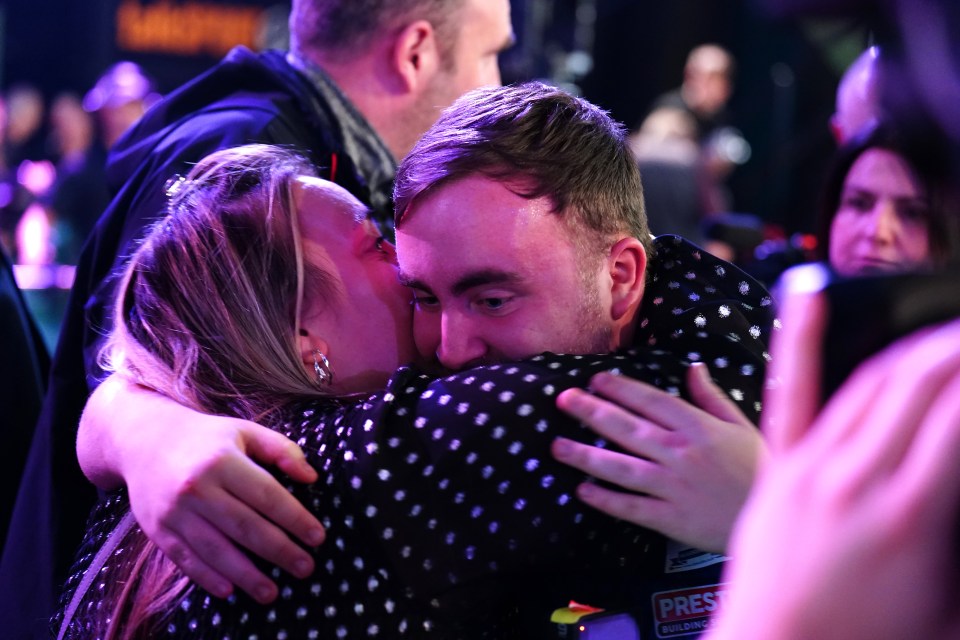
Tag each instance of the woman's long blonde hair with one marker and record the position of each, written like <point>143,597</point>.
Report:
<point>208,313</point>
<point>208,309</point>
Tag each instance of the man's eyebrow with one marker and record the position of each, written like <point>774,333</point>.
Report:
<point>412,282</point>
<point>482,278</point>
<point>473,279</point>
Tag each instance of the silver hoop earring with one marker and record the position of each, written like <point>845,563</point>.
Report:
<point>322,368</point>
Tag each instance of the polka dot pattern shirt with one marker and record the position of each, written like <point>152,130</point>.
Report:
<point>446,516</point>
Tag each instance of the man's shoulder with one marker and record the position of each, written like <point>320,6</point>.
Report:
<point>243,76</point>
<point>246,98</point>
<point>677,257</point>
<point>704,309</point>
<point>240,100</point>
<point>685,279</point>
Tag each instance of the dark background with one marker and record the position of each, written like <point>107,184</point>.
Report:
<point>787,70</point>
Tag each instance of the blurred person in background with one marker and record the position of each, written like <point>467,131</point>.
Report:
<point>668,155</point>
<point>24,171</point>
<point>704,94</point>
<point>706,89</point>
<point>118,99</point>
<point>82,133</point>
<point>79,192</point>
<point>71,129</point>
<point>857,108</point>
<point>682,193</point>
<point>24,136</point>
<point>858,96</point>
<point>687,149</point>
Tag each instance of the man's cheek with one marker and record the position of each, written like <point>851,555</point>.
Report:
<point>426,334</point>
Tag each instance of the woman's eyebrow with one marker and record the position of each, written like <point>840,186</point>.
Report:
<point>361,214</point>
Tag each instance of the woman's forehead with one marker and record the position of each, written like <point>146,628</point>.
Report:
<point>322,203</point>
<point>878,167</point>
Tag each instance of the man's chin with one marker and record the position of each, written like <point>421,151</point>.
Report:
<point>432,367</point>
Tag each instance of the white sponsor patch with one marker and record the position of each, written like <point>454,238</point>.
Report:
<point>681,557</point>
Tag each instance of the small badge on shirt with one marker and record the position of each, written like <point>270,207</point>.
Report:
<point>685,612</point>
<point>681,557</point>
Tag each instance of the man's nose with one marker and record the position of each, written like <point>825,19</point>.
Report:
<point>460,345</point>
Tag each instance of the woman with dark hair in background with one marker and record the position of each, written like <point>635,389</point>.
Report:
<point>889,205</point>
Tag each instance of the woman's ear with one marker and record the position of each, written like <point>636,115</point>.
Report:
<point>628,270</point>
<point>309,343</point>
<point>416,56</point>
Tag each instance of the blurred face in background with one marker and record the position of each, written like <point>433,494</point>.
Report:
<point>882,220</point>
<point>71,126</point>
<point>708,81</point>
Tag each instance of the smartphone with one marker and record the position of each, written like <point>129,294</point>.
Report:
<point>868,313</point>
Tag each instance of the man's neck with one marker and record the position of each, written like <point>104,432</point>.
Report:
<point>623,335</point>
<point>364,84</point>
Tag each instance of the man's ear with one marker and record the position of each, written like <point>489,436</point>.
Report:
<point>416,57</point>
<point>628,268</point>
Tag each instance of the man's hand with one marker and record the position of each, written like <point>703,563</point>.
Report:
<point>692,468</point>
<point>196,487</point>
<point>852,531</point>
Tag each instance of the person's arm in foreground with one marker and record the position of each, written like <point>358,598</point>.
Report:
<point>851,531</point>
<point>693,467</point>
<point>196,487</point>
